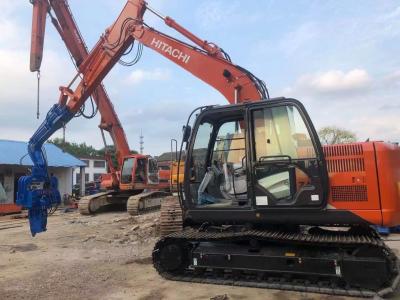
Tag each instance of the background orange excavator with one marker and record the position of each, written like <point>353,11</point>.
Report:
<point>262,203</point>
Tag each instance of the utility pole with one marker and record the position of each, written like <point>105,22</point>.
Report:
<point>141,142</point>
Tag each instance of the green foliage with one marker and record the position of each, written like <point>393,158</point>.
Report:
<point>333,135</point>
<point>75,149</point>
<point>83,150</point>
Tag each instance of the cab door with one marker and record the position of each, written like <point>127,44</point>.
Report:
<point>288,170</point>
<point>152,171</point>
<point>128,170</point>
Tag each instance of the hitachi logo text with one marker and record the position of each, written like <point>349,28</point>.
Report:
<point>176,53</point>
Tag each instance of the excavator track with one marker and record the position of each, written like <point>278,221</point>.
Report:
<point>170,216</point>
<point>186,256</point>
<point>145,202</point>
<point>88,205</point>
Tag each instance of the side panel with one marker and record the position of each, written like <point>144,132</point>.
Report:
<point>352,176</point>
<point>388,162</point>
<point>353,180</point>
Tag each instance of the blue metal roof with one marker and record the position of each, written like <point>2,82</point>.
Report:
<point>15,153</point>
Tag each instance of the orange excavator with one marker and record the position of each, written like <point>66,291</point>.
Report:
<point>262,203</point>
<point>117,193</point>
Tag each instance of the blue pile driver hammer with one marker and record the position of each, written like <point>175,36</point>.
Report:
<point>39,191</point>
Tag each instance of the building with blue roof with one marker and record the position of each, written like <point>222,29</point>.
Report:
<point>15,162</point>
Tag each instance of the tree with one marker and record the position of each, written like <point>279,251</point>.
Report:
<point>333,135</point>
<point>75,149</point>
<point>83,150</point>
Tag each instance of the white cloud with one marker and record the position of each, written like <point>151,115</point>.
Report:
<point>333,81</point>
<point>378,127</point>
<point>353,100</point>
<point>138,76</point>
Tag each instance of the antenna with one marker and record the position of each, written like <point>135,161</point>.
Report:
<point>141,142</point>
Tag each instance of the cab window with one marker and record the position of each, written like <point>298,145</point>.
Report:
<point>286,168</point>
<point>280,131</point>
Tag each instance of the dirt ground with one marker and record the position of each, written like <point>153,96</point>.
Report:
<point>106,256</point>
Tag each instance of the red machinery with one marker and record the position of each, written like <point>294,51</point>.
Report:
<point>9,208</point>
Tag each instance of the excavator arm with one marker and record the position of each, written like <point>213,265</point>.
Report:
<point>209,63</point>
<point>40,9</point>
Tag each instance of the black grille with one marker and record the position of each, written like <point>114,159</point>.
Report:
<point>349,193</point>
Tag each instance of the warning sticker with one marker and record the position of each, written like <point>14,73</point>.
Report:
<point>261,200</point>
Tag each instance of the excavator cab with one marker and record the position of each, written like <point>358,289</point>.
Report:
<point>262,157</point>
<point>138,171</point>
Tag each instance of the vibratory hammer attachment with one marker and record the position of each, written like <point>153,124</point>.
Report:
<point>38,195</point>
<point>39,191</point>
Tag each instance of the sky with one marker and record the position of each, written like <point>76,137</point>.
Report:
<point>339,58</point>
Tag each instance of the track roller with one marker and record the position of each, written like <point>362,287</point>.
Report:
<point>88,205</point>
<point>170,216</point>
<point>145,202</point>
